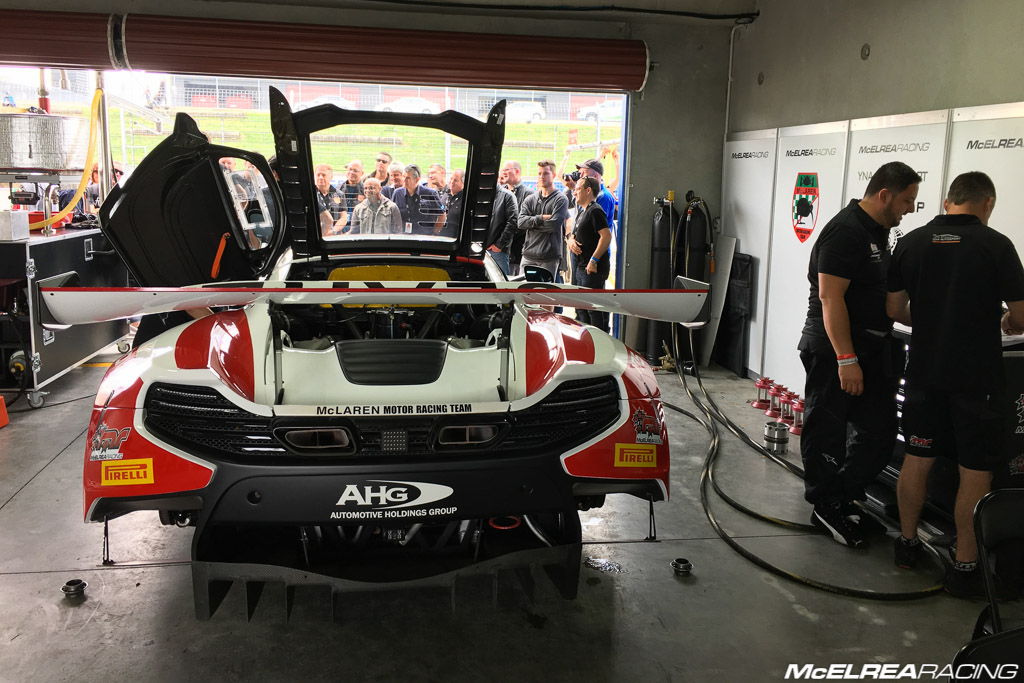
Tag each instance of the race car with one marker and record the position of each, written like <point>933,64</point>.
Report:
<point>354,408</point>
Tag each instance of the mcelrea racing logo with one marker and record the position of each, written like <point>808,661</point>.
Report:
<point>1004,143</point>
<point>903,672</point>
<point>816,152</point>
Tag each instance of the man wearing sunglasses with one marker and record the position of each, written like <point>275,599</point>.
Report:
<point>380,171</point>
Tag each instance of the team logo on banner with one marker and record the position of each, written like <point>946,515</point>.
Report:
<point>805,205</point>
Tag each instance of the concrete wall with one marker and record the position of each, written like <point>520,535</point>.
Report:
<point>676,128</point>
<point>924,55</point>
<point>677,122</point>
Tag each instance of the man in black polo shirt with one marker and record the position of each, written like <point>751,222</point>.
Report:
<point>954,273</point>
<point>851,360</point>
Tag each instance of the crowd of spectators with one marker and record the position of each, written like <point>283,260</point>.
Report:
<point>546,227</point>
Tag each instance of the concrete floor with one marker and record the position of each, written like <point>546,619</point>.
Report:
<point>729,621</point>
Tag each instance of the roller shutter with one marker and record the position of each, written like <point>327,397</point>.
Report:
<point>304,51</point>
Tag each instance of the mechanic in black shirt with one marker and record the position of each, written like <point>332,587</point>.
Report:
<point>954,273</point>
<point>589,242</point>
<point>851,359</point>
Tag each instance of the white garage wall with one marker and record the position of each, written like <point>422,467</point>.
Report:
<point>748,184</point>
<point>820,149</point>
<point>991,139</point>
<point>918,140</point>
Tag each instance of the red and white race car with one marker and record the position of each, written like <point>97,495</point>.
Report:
<point>362,407</point>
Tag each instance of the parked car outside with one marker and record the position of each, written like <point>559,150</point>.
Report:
<point>525,112</point>
<point>336,100</point>
<point>609,110</point>
<point>411,105</point>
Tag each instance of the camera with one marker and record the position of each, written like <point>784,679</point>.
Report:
<point>574,176</point>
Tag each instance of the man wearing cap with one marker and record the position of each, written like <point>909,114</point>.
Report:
<point>593,168</point>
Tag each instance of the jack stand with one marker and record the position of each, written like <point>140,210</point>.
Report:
<point>106,542</point>
<point>652,528</point>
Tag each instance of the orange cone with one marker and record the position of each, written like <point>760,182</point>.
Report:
<point>3,413</point>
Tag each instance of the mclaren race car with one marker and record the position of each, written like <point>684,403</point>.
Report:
<point>349,405</point>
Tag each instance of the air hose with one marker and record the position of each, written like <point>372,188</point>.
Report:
<point>90,155</point>
<point>713,415</point>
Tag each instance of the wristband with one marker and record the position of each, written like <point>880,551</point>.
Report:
<point>594,259</point>
<point>847,361</point>
<point>844,356</point>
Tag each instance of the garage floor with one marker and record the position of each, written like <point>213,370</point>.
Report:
<point>729,621</point>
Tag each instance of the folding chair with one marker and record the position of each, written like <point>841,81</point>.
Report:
<point>998,517</point>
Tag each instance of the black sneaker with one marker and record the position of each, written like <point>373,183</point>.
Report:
<point>907,554</point>
<point>970,584</point>
<point>830,517</point>
<point>863,520</point>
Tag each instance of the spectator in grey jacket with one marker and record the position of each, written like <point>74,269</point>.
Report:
<point>504,220</point>
<point>376,214</point>
<point>542,218</point>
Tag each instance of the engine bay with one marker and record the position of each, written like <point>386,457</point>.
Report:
<point>320,326</point>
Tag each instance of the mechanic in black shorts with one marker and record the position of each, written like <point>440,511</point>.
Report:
<point>851,359</point>
<point>954,273</point>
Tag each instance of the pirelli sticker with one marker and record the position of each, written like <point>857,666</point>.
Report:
<point>126,472</point>
<point>636,455</point>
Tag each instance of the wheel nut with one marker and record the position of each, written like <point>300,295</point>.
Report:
<point>682,566</point>
<point>75,588</point>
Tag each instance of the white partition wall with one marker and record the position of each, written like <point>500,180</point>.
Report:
<point>809,191</point>
<point>991,139</point>
<point>781,187</point>
<point>918,140</point>
<point>748,183</point>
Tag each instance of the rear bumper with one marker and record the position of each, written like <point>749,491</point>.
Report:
<point>386,494</point>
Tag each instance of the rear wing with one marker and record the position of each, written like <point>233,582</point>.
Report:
<point>64,306</point>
